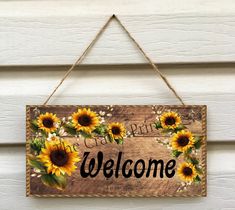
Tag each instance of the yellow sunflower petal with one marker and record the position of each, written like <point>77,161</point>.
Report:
<point>85,120</point>
<point>116,130</point>
<point>182,140</point>
<point>170,120</point>
<point>57,159</point>
<point>187,172</point>
<point>47,122</point>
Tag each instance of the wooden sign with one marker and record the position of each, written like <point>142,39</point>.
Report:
<point>116,151</point>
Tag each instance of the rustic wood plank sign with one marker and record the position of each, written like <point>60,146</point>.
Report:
<point>120,150</point>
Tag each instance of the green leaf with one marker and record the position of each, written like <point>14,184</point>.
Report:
<point>85,135</point>
<point>51,180</point>
<point>34,125</point>
<point>44,134</point>
<point>61,181</point>
<point>180,127</point>
<point>110,139</point>
<point>101,130</point>
<point>119,141</point>
<point>197,179</point>
<point>197,143</point>
<point>176,153</point>
<point>37,144</point>
<point>198,169</point>
<point>167,130</point>
<point>70,129</point>
<point>188,151</point>
<point>36,164</point>
<point>158,124</point>
<point>194,161</point>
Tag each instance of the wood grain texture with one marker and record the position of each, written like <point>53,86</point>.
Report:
<point>221,187</point>
<point>45,33</point>
<point>141,144</point>
<point>203,84</point>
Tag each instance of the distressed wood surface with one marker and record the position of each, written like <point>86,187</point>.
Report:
<point>221,187</point>
<point>42,33</point>
<point>212,85</point>
<point>137,146</point>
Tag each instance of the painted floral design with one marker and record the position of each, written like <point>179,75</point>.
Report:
<point>89,124</point>
<point>47,122</point>
<point>52,157</point>
<point>85,120</point>
<point>182,143</point>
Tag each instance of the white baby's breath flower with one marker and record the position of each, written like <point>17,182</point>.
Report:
<point>109,115</point>
<point>102,120</point>
<point>183,183</point>
<point>36,111</point>
<point>36,170</point>
<point>168,147</point>
<point>63,119</point>
<point>33,175</point>
<point>165,141</point>
<point>101,113</point>
<point>52,137</point>
<point>69,118</point>
<point>62,132</point>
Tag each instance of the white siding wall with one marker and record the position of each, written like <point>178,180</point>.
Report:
<point>38,37</point>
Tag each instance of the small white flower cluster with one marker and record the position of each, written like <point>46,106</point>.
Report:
<point>36,112</point>
<point>104,113</point>
<point>183,186</point>
<point>37,173</point>
<point>128,134</point>
<point>159,110</point>
<point>164,142</point>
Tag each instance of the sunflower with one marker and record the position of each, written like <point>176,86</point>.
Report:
<point>85,120</point>
<point>58,157</point>
<point>170,120</point>
<point>47,122</point>
<point>187,172</point>
<point>182,140</point>
<point>116,130</point>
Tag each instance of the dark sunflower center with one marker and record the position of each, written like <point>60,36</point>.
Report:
<point>116,130</point>
<point>183,141</point>
<point>84,120</point>
<point>170,121</point>
<point>48,122</point>
<point>59,157</point>
<point>187,171</point>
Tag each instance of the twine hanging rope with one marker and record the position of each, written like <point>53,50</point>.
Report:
<point>80,59</point>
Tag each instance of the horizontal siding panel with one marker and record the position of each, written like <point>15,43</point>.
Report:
<point>211,86</point>
<point>131,7</point>
<point>180,37</point>
<point>221,187</point>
